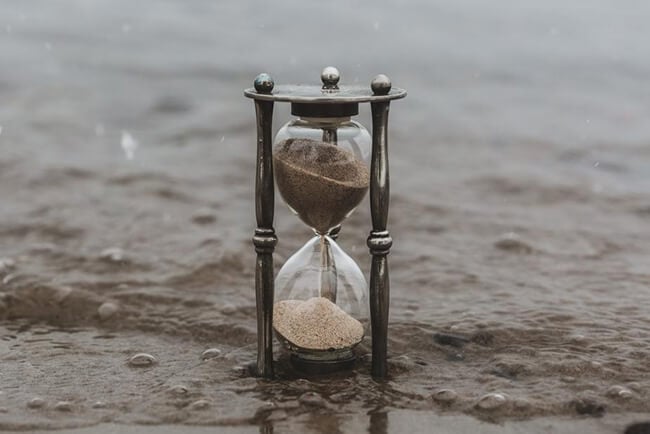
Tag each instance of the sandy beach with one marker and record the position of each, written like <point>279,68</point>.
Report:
<point>520,215</point>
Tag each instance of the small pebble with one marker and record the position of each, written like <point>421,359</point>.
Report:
<point>619,392</point>
<point>114,254</point>
<point>511,242</point>
<point>452,340</point>
<point>638,428</point>
<point>99,404</point>
<point>491,401</point>
<point>142,359</point>
<point>445,395</point>
<point>107,310</point>
<point>588,406</point>
<point>210,353</point>
<point>312,399</point>
<point>568,379</point>
<point>8,278</point>
<point>228,309</point>
<point>61,293</point>
<point>36,402</point>
<point>63,406</point>
<point>204,216</point>
<point>201,404</point>
<point>6,264</point>
<point>178,389</point>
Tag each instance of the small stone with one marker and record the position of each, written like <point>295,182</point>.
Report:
<point>445,396</point>
<point>114,254</point>
<point>61,293</point>
<point>142,359</point>
<point>312,399</point>
<point>511,242</point>
<point>99,404</point>
<point>568,379</point>
<point>201,404</point>
<point>588,406</point>
<point>619,392</point>
<point>178,389</point>
<point>210,353</point>
<point>452,340</point>
<point>638,428</point>
<point>4,410</point>
<point>228,309</point>
<point>491,401</point>
<point>204,216</point>
<point>107,310</point>
<point>36,402</point>
<point>63,406</point>
<point>6,264</point>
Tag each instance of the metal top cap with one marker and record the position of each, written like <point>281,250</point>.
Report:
<point>330,92</point>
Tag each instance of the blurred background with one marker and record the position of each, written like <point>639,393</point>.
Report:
<point>520,165</point>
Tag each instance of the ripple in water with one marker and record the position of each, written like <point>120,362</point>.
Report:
<point>210,353</point>
<point>142,359</point>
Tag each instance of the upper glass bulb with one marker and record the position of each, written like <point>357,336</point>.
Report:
<point>321,168</point>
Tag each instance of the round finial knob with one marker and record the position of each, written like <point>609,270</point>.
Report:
<point>264,83</point>
<point>330,77</point>
<point>380,85</point>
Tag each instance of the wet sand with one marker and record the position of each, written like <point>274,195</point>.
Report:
<point>520,216</point>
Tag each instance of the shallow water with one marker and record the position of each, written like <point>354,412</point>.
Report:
<point>520,210</point>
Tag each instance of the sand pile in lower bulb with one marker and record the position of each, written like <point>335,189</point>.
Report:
<point>316,324</point>
<point>322,182</point>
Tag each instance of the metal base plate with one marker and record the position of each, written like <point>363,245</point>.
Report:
<point>321,366</point>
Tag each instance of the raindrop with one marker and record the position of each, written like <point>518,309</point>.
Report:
<point>445,395</point>
<point>107,310</point>
<point>597,163</point>
<point>201,404</point>
<point>36,402</point>
<point>491,401</point>
<point>0,129</point>
<point>48,46</point>
<point>63,406</point>
<point>126,28</point>
<point>114,254</point>
<point>142,359</point>
<point>9,28</point>
<point>99,130</point>
<point>375,25</point>
<point>210,353</point>
<point>129,145</point>
<point>223,138</point>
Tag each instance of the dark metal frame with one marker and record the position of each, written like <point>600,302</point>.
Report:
<point>379,241</point>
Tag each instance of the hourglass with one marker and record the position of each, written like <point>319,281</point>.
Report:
<point>324,164</point>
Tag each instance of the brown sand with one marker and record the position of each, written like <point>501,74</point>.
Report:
<point>320,181</point>
<point>316,324</point>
